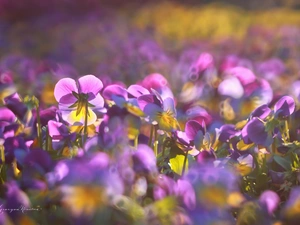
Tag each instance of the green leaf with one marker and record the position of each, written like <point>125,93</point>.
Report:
<point>177,162</point>
<point>284,163</point>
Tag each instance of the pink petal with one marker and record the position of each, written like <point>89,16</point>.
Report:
<point>98,101</point>
<point>90,84</point>
<point>64,87</point>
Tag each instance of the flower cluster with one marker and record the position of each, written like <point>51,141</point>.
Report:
<point>202,134</point>
<point>131,155</point>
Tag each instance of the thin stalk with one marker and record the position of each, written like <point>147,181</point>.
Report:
<point>85,124</point>
<point>184,162</point>
<point>136,140</point>
<point>2,154</point>
<point>151,136</point>
<point>287,130</point>
<point>164,148</point>
<point>48,140</point>
<point>155,145</point>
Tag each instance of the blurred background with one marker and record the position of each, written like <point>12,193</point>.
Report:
<point>127,40</point>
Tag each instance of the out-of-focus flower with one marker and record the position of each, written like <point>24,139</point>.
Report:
<point>290,211</point>
<point>244,164</point>
<point>76,99</point>
<point>125,98</point>
<point>271,69</point>
<point>61,136</point>
<point>212,186</point>
<point>15,199</point>
<point>7,86</point>
<point>192,135</point>
<point>161,111</point>
<point>144,160</point>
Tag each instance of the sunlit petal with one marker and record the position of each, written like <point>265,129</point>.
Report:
<point>90,84</point>
<point>64,87</point>
<point>80,118</point>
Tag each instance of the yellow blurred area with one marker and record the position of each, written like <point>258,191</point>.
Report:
<point>213,21</point>
<point>83,200</point>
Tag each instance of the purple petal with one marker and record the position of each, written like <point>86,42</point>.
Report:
<point>64,87</point>
<point>271,68</point>
<point>231,87</point>
<point>47,115</point>
<point>114,90</point>
<point>226,132</point>
<point>192,127</point>
<point>7,115</point>
<point>245,75</point>
<point>204,62</point>
<point>246,160</point>
<point>285,106</point>
<point>186,191</point>
<point>144,160</point>
<point>39,159</point>
<point>257,133</point>
<point>145,100</point>
<point>15,198</point>
<point>262,112</point>
<point>182,138</point>
<point>57,129</point>
<point>90,84</point>
<point>169,105</point>
<point>137,90</point>
<point>152,110</point>
<point>270,199</point>
<point>67,100</point>
<point>155,81</point>
<point>98,101</point>
<point>245,135</point>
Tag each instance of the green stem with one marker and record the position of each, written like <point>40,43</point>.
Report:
<point>39,127</point>
<point>48,140</point>
<point>2,154</point>
<point>151,136</point>
<point>166,142</point>
<point>184,163</point>
<point>136,140</point>
<point>155,145</point>
<point>85,124</point>
<point>287,130</point>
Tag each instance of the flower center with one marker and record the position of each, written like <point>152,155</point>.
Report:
<point>81,104</point>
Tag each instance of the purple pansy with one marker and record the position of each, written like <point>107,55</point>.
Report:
<point>159,110</point>
<point>76,98</point>
<point>125,98</point>
<point>60,134</point>
<point>226,132</point>
<point>255,131</point>
<point>284,107</point>
<point>261,112</point>
<point>192,136</point>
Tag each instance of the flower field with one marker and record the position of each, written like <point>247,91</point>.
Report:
<point>169,114</point>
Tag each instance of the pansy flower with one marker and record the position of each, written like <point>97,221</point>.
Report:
<point>284,107</point>
<point>125,98</point>
<point>60,135</point>
<point>255,132</point>
<point>244,164</point>
<point>160,111</point>
<point>80,98</point>
<point>192,137</point>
